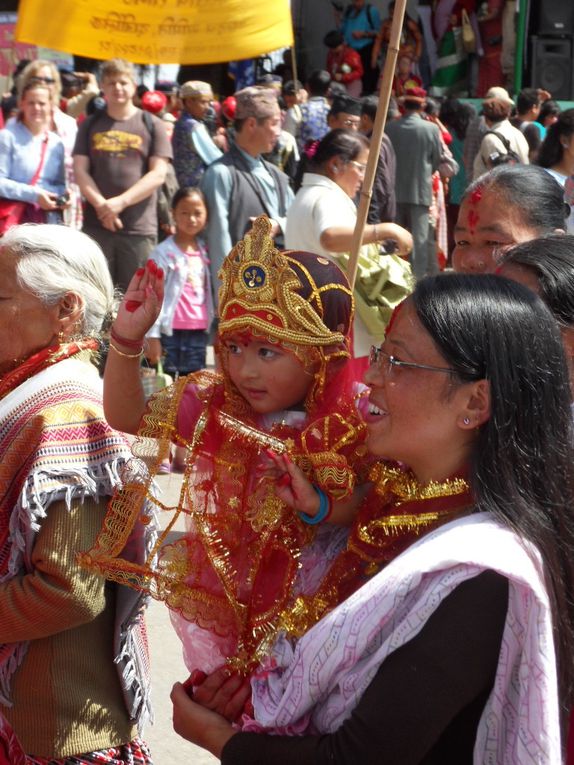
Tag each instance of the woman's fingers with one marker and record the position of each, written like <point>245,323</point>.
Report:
<point>223,693</point>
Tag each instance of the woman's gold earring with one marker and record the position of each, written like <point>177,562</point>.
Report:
<point>61,336</point>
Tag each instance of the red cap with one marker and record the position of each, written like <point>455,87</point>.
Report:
<point>154,101</point>
<point>228,107</point>
<point>415,94</point>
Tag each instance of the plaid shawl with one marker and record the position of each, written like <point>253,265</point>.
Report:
<point>56,445</point>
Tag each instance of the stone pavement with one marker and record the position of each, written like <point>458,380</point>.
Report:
<point>167,667</point>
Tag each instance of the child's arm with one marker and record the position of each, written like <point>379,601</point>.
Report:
<point>294,488</point>
<point>124,402</point>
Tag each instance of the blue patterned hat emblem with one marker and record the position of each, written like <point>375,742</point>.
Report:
<point>254,277</point>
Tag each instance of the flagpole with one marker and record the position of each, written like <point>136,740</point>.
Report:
<point>376,138</point>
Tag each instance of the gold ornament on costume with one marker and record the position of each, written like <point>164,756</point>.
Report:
<point>261,293</point>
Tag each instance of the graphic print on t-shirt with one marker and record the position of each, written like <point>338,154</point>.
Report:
<point>117,142</point>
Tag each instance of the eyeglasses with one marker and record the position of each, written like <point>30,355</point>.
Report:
<point>47,80</point>
<point>359,166</point>
<point>351,123</point>
<point>377,356</point>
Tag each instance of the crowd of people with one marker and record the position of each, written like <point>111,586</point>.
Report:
<point>377,480</point>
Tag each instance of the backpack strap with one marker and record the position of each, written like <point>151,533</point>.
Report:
<point>150,127</point>
<point>368,9</point>
<point>504,141</point>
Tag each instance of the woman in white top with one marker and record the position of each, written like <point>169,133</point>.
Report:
<point>322,217</point>
<point>556,156</point>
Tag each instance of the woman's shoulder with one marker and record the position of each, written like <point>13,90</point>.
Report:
<point>13,129</point>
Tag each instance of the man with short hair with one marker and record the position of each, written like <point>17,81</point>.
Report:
<point>417,146</point>
<point>241,185</point>
<point>193,147</point>
<point>345,113</point>
<point>500,138</point>
<point>383,205</point>
<point>314,112</point>
<point>120,160</point>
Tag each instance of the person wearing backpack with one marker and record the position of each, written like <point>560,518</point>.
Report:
<point>360,26</point>
<point>120,160</point>
<point>502,142</point>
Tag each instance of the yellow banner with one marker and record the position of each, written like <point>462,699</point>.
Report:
<point>158,31</point>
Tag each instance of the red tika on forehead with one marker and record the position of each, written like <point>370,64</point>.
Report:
<point>393,318</point>
<point>245,337</point>
<point>473,218</point>
<point>476,196</point>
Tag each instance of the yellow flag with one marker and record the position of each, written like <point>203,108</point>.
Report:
<point>157,31</point>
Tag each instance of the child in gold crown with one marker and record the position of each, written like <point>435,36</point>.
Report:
<point>284,389</point>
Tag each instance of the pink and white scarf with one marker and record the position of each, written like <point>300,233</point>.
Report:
<point>312,687</point>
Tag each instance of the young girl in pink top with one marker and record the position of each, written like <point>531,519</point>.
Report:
<point>181,330</point>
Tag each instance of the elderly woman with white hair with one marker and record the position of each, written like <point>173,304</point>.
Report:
<point>72,647</point>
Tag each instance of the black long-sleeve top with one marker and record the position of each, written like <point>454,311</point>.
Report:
<point>424,704</point>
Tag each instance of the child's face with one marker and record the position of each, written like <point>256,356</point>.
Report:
<point>268,377</point>
<point>190,216</point>
<point>404,65</point>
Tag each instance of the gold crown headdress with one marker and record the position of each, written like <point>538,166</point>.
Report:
<point>260,290</point>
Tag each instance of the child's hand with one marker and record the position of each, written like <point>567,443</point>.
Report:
<point>291,484</point>
<point>141,304</point>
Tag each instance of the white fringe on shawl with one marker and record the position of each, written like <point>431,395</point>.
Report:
<point>94,480</point>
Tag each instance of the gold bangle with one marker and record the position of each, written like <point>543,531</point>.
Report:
<point>126,355</point>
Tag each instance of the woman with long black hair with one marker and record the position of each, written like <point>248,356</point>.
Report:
<point>460,650</point>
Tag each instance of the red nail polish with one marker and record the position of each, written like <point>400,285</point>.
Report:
<point>140,272</point>
<point>151,266</point>
<point>188,687</point>
<point>159,272</point>
<point>132,305</point>
<point>285,480</point>
<point>197,677</point>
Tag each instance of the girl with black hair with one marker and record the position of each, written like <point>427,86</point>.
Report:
<point>556,156</point>
<point>460,650</point>
<point>506,206</point>
<point>546,266</point>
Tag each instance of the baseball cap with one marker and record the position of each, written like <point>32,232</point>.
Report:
<point>500,93</point>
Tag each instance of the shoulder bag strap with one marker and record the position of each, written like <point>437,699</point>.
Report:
<point>42,158</point>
